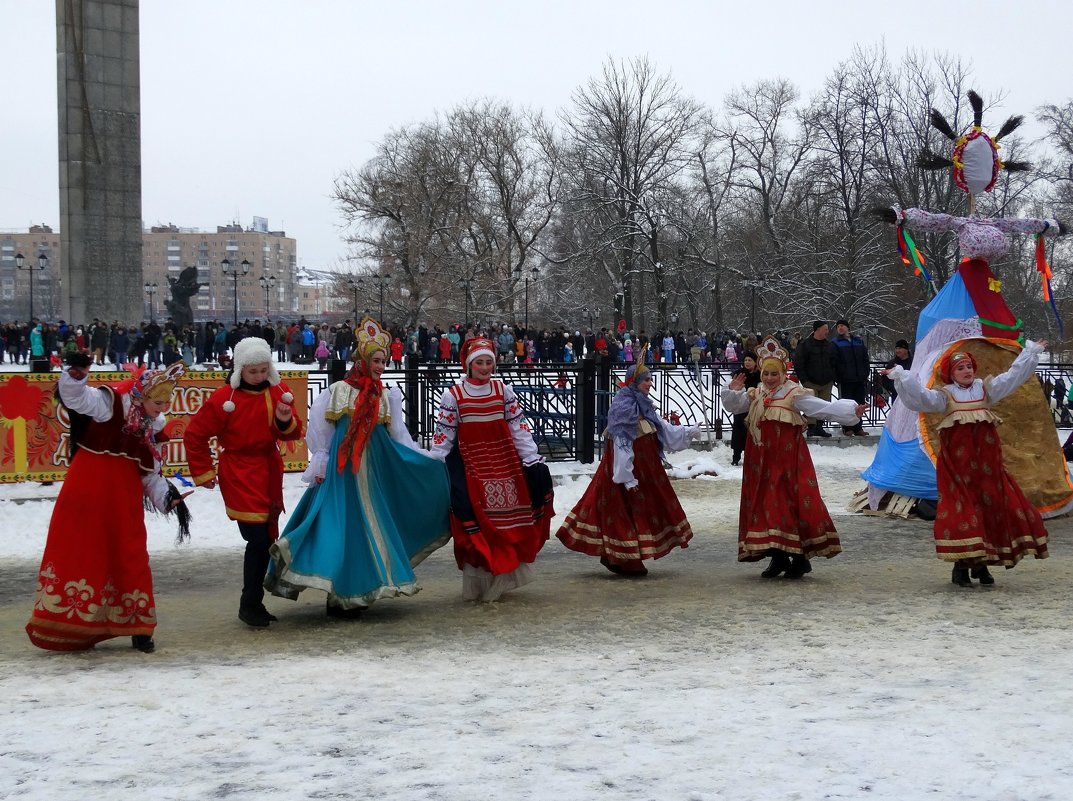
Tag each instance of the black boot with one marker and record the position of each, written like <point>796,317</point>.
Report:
<point>960,576</point>
<point>983,574</point>
<point>255,616</point>
<point>799,566</point>
<point>345,614</point>
<point>143,642</point>
<point>821,431</point>
<point>780,563</point>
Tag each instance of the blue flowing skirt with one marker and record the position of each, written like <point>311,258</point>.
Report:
<point>359,536</point>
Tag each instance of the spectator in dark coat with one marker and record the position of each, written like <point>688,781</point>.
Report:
<point>852,370</point>
<point>902,358</point>
<point>814,365</point>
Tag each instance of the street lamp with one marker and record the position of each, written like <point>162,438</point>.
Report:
<point>517,273</point>
<point>590,312</point>
<point>354,286</point>
<point>267,282</point>
<point>380,281</point>
<point>233,271</point>
<point>150,290</point>
<point>465,284</point>
<point>42,263</point>
<point>754,285</point>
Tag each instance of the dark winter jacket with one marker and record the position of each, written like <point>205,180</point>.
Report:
<point>851,359</point>
<point>814,360</point>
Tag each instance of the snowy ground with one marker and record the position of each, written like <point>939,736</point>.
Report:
<point>872,678</point>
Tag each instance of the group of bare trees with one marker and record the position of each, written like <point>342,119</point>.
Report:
<point>641,203</point>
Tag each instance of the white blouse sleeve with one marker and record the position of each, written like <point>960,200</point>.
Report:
<point>443,439</point>
<point>155,487</point>
<point>623,472</point>
<point>916,397</point>
<point>1001,385</point>
<point>520,431</point>
<point>319,431</point>
<point>676,438</point>
<point>839,411</point>
<point>78,396</point>
<point>735,401</point>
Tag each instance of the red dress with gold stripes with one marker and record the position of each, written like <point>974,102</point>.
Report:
<point>781,507</point>
<point>982,514</point>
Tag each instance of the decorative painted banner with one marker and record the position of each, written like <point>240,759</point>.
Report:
<point>35,430</point>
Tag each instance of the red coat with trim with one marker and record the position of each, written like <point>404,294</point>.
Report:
<point>250,467</point>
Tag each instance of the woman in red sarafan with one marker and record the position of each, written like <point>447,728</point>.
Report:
<point>249,416</point>
<point>982,517</point>
<point>95,582</point>
<point>629,511</point>
<point>501,494</point>
<point>782,514</point>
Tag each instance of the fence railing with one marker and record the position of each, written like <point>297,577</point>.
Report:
<point>566,403</point>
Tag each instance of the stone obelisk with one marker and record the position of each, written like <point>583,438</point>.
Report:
<point>100,159</point>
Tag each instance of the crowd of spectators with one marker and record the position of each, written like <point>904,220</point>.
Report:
<point>307,342</point>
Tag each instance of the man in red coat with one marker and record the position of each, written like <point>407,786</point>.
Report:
<point>248,416</point>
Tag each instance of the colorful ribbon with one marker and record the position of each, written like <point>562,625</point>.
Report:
<point>911,256</point>
<point>1044,269</point>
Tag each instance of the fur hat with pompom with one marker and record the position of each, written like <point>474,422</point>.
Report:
<point>252,350</point>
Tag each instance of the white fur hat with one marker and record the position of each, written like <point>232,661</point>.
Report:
<point>252,350</point>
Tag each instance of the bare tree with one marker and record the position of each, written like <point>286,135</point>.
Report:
<point>629,133</point>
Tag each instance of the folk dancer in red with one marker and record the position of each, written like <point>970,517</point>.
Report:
<point>629,511</point>
<point>782,514</point>
<point>501,494</point>
<point>982,517</point>
<point>249,416</point>
<point>95,582</point>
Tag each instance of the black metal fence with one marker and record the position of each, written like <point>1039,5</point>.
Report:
<point>566,403</point>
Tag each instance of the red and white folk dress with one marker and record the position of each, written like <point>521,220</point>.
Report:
<point>781,508</point>
<point>501,497</point>
<point>982,515</point>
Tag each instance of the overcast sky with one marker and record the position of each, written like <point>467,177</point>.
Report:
<point>251,107</point>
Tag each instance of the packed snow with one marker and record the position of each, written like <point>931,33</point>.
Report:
<point>871,678</point>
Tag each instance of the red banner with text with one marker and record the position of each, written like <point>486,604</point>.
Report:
<point>34,428</point>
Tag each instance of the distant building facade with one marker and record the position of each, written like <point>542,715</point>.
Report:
<point>15,303</point>
<point>166,250</point>
<point>271,255</point>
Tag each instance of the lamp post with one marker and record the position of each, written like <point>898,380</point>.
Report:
<point>354,286</point>
<point>590,312</point>
<point>150,290</point>
<point>267,282</point>
<point>753,285</point>
<point>42,263</point>
<point>517,273</point>
<point>465,284</point>
<point>380,281</point>
<point>233,271</point>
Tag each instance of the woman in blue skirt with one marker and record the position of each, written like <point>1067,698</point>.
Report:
<point>377,504</point>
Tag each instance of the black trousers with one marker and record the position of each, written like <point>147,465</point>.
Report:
<point>255,563</point>
<point>855,390</point>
